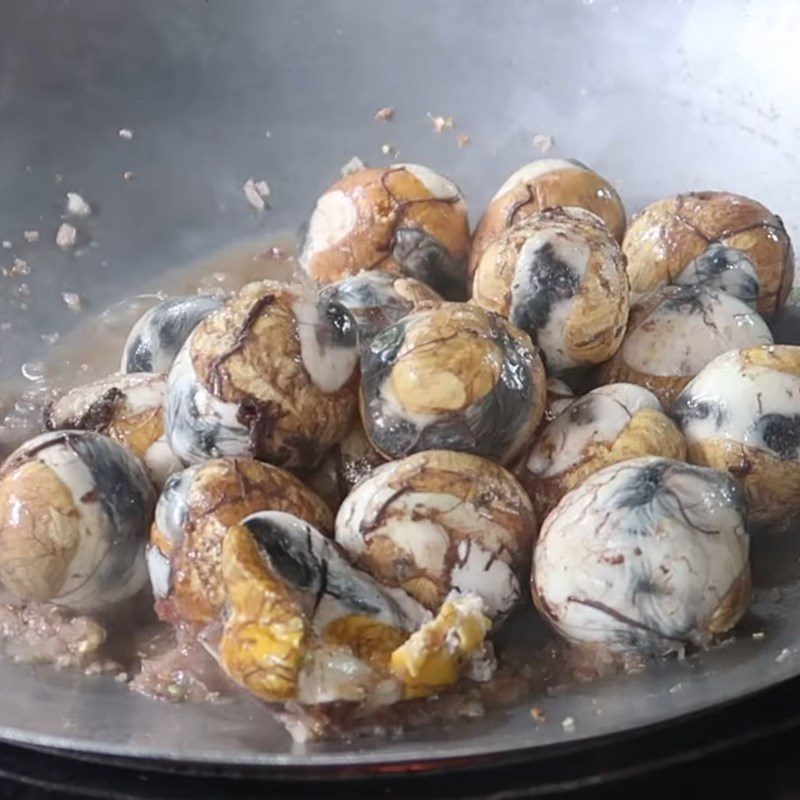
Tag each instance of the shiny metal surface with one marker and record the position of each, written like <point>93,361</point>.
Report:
<point>660,97</point>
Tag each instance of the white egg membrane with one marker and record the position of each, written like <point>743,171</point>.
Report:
<point>598,417</point>
<point>332,219</point>
<point>328,366</point>
<point>171,512</point>
<point>162,330</point>
<point>570,248</point>
<point>530,172</point>
<point>738,397</point>
<point>679,340</point>
<point>308,543</point>
<point>739,279</point>
<point>640,576</point>
<point>407,524</point>
<point>96,534</point>
<point>194,414</point>
<point>143,392</point>
<point>440,187</point>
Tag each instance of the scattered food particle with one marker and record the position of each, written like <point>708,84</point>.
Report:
<point>126,133</point>
<point>598,712</point>
<point>676,688</point>
<point>268,134</point>
<point>20,267</point>
<point>538,714</point>
<point>128,176</point>
<point>50,338</point>
<point>758,635</point>
<point>256,193</point>
<point>463,140</point>
<point>6,244</point>
<point>73,301</point>
<point>568,724</point>
<point>5,327</point>
<point>121,677</point>
<point>59,177</point>
<point>384,114</point>
<point>782,656</point>
<point>277,252</point>
<point>77,206</point>
<point>353,165</point>
<point>543,143</point>
<point>30,236</point>
<point>66,236</point>
<point>441,124</point>
<point>389,150</point>
<point>23,290</point>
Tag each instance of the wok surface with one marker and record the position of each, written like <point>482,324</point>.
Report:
<point>659,97</point>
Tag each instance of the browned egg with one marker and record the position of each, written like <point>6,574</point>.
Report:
<point>613,423</point>
<point>546,183</point>
<point>438,521</point>
<point>192,515</point>
<point>404,219</point>
<point>717,239</point>
<point>559,275</point>
<point>673,332</point>
<point>302,624</point>
<point>129,409</point>
<point>74,511</point>
<point>741,414</point>
<point>456,378</point>
<point>272,375</point>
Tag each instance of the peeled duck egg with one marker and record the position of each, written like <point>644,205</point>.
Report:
<point>74,511</point>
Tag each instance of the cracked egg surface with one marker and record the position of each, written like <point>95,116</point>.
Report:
<point>646,556</point>
<point>273,375</point>
<point>612,423</point>
<point>457,378</point>
<point>741,414</point>
<point>193,513</point>
<point>128,409</point>
<point>675,331</point>
<point>158,335</point>
<point>441,521</point>
<point>717,239</point>
<point>379,299</point>
<point>303,624</point>
<point>559,276</point>
<point>74,511</point>
<point>405,219</point>
<point>547,183</point>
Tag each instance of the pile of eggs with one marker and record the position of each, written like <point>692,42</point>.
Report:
<point>360,480</point>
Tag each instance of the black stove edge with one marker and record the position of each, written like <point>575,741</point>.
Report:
<point>522,774</point>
